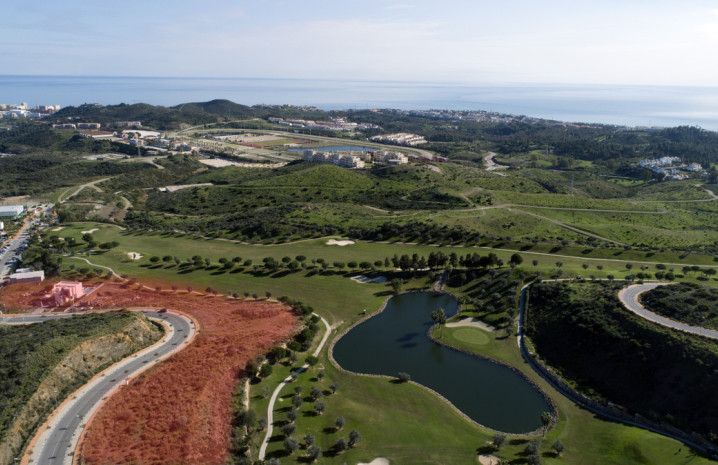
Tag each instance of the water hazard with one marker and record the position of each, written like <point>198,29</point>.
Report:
<point>396,341</point>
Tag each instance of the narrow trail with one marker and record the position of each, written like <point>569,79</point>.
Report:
<point>92,184</point>
<point>572,228</point>
<point>711,194</point>
<point>285,381</point>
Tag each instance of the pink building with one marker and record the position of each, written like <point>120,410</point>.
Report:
<point>66,291</point>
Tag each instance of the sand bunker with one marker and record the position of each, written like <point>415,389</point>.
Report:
<point>59,228</point>
<point>134,255</point>
<point>475,322</point>
<point>364,279</point>
<point>376,461</point>
<point>486,459</point>
<point>90,231</point>
<point>339,243</point>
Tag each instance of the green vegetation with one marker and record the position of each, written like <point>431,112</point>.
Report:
<point>40,364</point>
<point>686,302</point>
<point>617,356</point>
<point>571,203</point>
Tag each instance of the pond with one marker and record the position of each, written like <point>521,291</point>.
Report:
<point>396,341</point>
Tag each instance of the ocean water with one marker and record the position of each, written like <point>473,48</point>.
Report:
<point>609,104</point>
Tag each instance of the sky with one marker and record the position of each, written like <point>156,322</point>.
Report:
<point>633,42</point>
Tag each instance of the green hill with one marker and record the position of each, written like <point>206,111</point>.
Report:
<point>585,334</point>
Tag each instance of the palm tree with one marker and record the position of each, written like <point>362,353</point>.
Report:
<point>439,316</point>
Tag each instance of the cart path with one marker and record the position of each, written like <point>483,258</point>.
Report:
<point>287,380</point>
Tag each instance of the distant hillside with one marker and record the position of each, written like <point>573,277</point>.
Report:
<point>221,107</point>
<point>153,116</point>
<point>193,113</point>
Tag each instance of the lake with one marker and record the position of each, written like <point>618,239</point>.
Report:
<point>396,341</point>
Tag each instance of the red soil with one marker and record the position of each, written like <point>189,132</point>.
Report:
<point>180,411</point>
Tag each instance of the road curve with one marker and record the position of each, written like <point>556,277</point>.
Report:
<point>287,380</point>
<point>529,359</point>
<point>52,445</point>
<point>629,299</point>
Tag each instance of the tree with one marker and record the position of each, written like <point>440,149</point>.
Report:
<point>439,317</point>
<point>403,377</point>
<point>354,438</point>
<point>297,400</point>
<point>534,262</point>
<point>265,370</point>
<point>314,453</point>
<point>558,447</point>
<point>315,393</point>
<point>292,414</point>
<point>320,375</point>
<point>333,387</point>
<point>516,259</point>
<point>291,445</point>
<point>397,285</point>
<point>309,439</point>
<point>154,259</point>
<point>533,459</point>
<point>312,360</point>
<point>339,423</point>
<point>546,418</point>
<point>341,445</point>
<point>320,407</point>
<point>533,447</point>
<point>289,429</point>
<point>268,294</point>
<point>499,440</point>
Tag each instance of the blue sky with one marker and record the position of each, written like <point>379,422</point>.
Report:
<point>607,42</point>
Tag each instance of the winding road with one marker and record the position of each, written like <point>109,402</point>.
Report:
<point>56,444</point>
<point>285,381</point>
<point>629,298</point>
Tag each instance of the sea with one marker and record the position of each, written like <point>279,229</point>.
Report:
<point>656,106</point>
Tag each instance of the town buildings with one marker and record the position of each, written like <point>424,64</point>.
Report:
<point>343,159</point>
<point>400,138</point>
<point>21,110</point>
<point>335,124</point>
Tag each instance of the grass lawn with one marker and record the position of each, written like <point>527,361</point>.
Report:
<point>400,421</point>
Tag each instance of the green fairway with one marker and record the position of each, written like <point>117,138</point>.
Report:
<point>401,421</point>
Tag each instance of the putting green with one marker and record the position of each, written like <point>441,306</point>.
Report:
<point>471,336</point>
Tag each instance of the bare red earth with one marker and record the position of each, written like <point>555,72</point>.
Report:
<point>179,412</point>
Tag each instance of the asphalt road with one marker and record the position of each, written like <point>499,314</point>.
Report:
<point>629,298</point>
<point>61,438</point>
